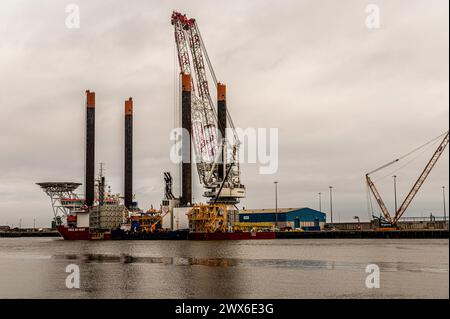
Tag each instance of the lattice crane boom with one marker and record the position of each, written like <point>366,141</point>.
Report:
<point>178,21</point>
<point>207,144</point>
<point>426,171</point>
<point>419,182</point>
<point>378,198</point>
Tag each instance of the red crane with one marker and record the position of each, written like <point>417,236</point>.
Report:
<point>208,147</point>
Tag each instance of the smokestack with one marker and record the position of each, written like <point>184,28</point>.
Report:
<point>128,181</point>
<point>222,125</point>
<point>186,166</point>
<point>90,148</point>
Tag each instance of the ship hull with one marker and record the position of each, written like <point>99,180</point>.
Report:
<point>158,235</point>
<point>83,233</point>
<point>232,236</point>
<point>74,233</point>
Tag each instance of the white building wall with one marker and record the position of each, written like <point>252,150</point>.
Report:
<point>180,219</point>
<point>167,212</point>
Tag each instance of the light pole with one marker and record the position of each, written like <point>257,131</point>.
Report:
<point>276,204</point>
<point>320,201</point>
<point>331,203</point>
<point>443,197</point>
<point>395,192</point>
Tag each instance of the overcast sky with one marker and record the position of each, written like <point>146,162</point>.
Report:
<point>345,98</point>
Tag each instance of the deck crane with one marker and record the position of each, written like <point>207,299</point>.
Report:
<point>392,220</point>
<point>216,158</point>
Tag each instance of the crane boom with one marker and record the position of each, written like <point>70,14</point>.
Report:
<point>426,171</point>
<point>178,20</point>
<point>209,123</point>
<point>209,147</point>
<point>202,125</point>
<point>412,193</point>
<point>378,198</point>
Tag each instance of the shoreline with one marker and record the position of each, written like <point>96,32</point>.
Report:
<point>367,234</point>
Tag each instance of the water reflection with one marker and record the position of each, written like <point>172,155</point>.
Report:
<point>242,262</point>
<point>263,269</point>
<point>197,261</point>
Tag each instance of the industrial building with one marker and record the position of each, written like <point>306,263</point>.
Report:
<point>303,218</point>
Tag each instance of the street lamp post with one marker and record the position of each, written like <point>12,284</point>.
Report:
<point>276,204</point>
<point>320,201</point>
<point>331,203</point>
<point>395,192</point>
<point>443,197</point>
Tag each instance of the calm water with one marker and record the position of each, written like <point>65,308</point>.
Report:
<point>305,268</point>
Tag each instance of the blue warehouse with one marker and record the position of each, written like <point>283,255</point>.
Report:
<point>292,218</point>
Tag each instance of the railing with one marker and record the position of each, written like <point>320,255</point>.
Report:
<point>429,218</point>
